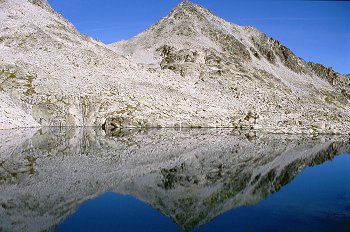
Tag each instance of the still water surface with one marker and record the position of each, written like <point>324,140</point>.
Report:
<point>317,200</point>
<point>167,180</point>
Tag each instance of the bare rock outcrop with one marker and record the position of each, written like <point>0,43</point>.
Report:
<point>43,4</point>
<point>191,69</point>
<point>257,73</point>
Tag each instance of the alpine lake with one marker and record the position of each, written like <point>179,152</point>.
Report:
<point>75,179</point>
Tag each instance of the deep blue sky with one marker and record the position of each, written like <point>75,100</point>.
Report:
<point>317,31</point>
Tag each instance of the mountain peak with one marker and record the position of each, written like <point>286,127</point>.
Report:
<point>42,3</point>
<point>187,7</point>
<point>184,3</point>
<point>196,70</point>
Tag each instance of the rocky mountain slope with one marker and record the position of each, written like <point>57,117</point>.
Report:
<point>191,69</point>
<point>245,68</point>
<point>191,176</point>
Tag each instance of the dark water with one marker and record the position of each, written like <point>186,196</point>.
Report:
<point>167,180</point>
<point>317,200</point>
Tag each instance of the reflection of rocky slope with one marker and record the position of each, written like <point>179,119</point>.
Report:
<point>191,176</point>
<point>194,192</point>
<point>197,71</point>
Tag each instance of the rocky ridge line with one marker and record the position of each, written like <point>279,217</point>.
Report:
<point>209,73</point>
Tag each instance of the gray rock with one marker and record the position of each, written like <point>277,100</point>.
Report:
<point>189,69</point>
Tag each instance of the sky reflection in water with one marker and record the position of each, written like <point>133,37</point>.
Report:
<point>318,199</point>
<point>74,179</point>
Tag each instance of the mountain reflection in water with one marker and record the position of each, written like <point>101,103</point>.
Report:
<point>189,176</point>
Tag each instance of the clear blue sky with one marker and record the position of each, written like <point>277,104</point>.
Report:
<point>317,31</point>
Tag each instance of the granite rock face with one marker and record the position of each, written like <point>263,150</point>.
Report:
<point>191,69</point>
<point>191,176</point>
